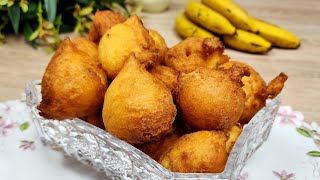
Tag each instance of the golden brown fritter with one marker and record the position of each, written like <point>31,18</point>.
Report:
<point>155,149</point>
<point>256,90</point>
<point>86,46</point>
<point>95,119</point>
<point>102,21</point>
<point>160,44</point>
<point>233,134</point>
<point>73,84</point>
<point>121,40</point>
<point>167,75</point>
<point>199,152</point>
<point>211,99</point>
<point>138,108</point>
<point>275,86</point>
<point>195,52</point>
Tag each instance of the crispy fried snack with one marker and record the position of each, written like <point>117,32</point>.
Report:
<point>95,119</point>
<point>195,52</point>
<point>233,134</point>
<point>167,75</point>
<point>73,84</point>
<point>199,152</point>
<point>211,99</point>
<point>138,108</point>
<point>155,149</point>
<point>121,40</point>
<point>102,21</point>
<point>159,44</point>
<point>86,46</point>
<point>256,90</point>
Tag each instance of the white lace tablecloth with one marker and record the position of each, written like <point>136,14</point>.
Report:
<point>292,151</point>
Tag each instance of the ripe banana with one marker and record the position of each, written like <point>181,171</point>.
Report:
<point>277,36</point>
<point>238,16</point>
<point>209,19</point>
<point>246,41</point>
<point>186,28</point>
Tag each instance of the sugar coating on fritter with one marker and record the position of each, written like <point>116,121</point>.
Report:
<point>121,40</point>
<point>102,21</point>
<point>211,99</point>
<point>256,89</point>
<point>199,152</point>
<point>138,108</point>
<point>73,85</point>
<point>195,52</point>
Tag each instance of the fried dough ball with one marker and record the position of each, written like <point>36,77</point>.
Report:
<point>256,90</point>
<point>102,21</point>
<point>121,40</point>
<point>211,99</point>
<point>195,52</point>
<point>86,46</point>
<point>199,152</point>
<point>155,149</point>
<point>167,75</point>
<point>159,44</point>
<point>73,84</point>
<point>233,133</point>
<point>95,119</point>
<point>138,108</point>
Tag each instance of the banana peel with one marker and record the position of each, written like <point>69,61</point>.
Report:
<point>234,13</point>
<point>247,41</point>
<point>187,28</point>
<point>209,19</point>
<point>279,37</point>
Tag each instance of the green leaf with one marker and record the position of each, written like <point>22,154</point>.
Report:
<point>31,13</point>
<point>14,15</point>
<point>27,31</point>
<point>84,2</point>
<point>34,35</point>
<point>51,8</point>
<point>58,23</point>
<point>303,132</point>
<point>314,153</point>
<point>85,11</point>
<point>24,126</point>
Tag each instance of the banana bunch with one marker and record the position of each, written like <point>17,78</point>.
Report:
<point>237,29</point>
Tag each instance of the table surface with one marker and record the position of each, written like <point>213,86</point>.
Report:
<point>19,62</point>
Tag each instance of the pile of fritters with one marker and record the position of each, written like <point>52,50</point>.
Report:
<point>184,106</point>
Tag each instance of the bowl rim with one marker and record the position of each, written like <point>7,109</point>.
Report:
<point>33,98</point>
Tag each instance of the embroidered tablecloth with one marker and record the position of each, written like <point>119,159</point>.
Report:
<point>292,151</point>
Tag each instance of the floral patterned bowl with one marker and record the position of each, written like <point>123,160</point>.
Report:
<point>120,160</point>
